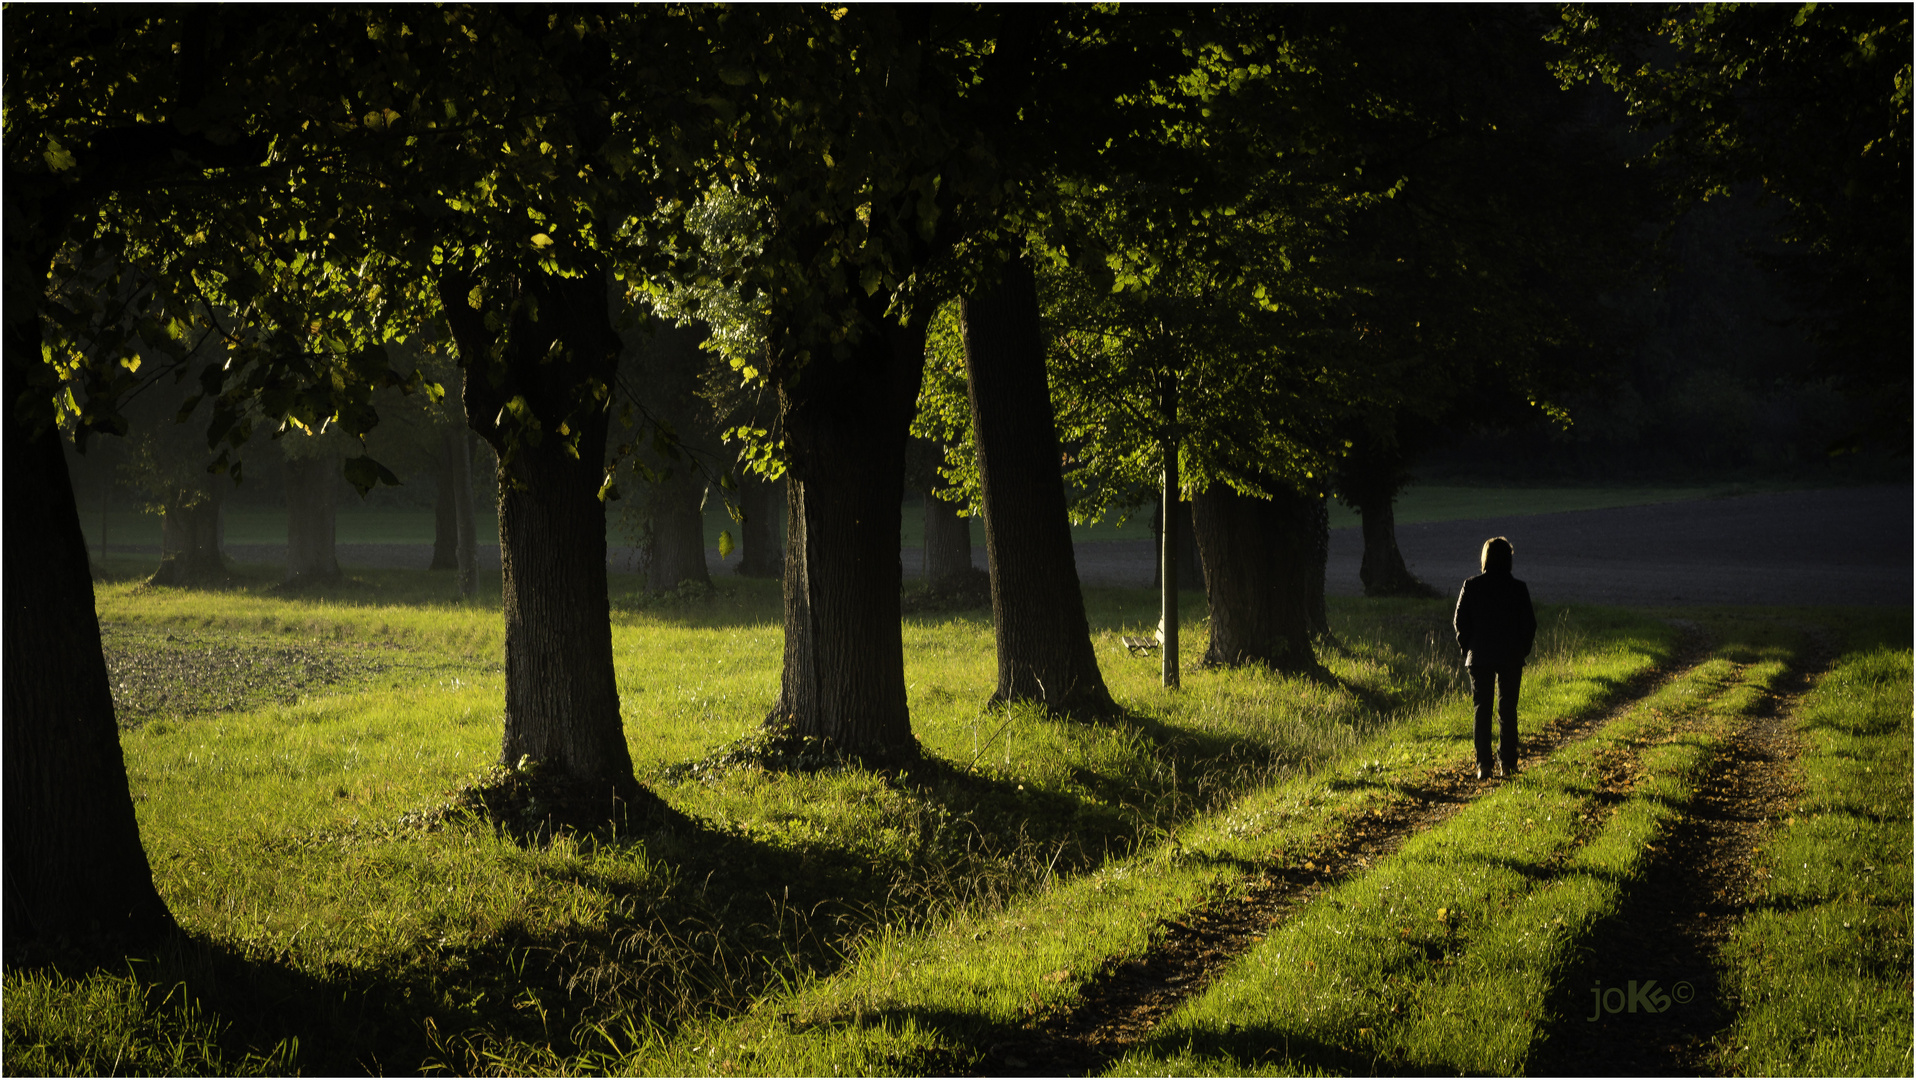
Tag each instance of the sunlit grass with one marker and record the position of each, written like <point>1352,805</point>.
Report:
<point>806,922</point>
<point>1444,957</point>
<point>1821,971</point>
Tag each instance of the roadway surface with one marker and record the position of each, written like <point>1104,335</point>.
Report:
<point>1834,546</point>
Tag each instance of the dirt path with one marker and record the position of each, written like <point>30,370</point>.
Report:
<point>1696,889</point>
<point>1120,1006</point>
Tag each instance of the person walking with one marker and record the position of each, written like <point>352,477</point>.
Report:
<point>1496,627</point>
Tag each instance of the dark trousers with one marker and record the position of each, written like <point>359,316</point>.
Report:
<point>1502,684</point>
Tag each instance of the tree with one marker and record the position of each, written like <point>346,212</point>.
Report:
<point>1044,641</point>
<point>672,468</point>
<point>1259,613</point>
<point>1060,89</point>
<point>74,867</point>
<point>312,487</point>
<point>947,526</point>
<point>521,246</point>
<point>1808,106</point>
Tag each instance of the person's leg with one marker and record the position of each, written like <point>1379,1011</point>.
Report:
<point>1510,682</point>
<point>1483,684</point>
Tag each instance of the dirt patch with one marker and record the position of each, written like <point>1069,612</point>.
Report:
<point>1700,883</point>
<point>1120,1006</point>
<point>156,673</point>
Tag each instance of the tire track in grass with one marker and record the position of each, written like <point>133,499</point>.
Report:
<point>1699,883</point>
<point>1120,1006</point>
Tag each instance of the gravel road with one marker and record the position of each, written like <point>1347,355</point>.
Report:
<point>1834,546</point>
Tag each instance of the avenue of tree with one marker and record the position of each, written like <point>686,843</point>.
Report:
<point>1228,260</point>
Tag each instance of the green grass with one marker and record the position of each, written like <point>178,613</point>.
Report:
<point>354,525</point>
<point>1442,958</point>
<point>1821,971</point>
<point>808,922</point>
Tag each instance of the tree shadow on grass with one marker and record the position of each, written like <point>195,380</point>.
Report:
<point>199,1006</point>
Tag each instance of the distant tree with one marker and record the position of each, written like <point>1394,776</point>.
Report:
<point>312,512</point>
<point>1809,106</point>
<point>672,454</point>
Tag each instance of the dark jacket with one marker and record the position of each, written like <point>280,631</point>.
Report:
<point>1495,623</point>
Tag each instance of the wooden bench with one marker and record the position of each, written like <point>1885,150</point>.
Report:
<point>1140,646</point>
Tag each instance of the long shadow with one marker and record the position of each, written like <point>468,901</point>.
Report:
<point>1664,931</point>
<point>1001,1049</point>
<point>236,1012</point>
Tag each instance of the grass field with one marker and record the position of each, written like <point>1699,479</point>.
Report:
<point>1417,504</point>
<point>285,756</point>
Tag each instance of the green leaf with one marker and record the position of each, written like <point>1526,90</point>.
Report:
<point>725,544</point>
<point>363,473</point>
<point>58,159</point>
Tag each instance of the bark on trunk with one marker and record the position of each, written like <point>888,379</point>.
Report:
<point>191,530</point>
<point>75,873</point>
<point>760,500</point>
<point>1256,554</point>
<point>1037,604</point>
<point>947,540</point>
<point>677,553</point>
<point>562,700</point>
<point>845,422</point>
<point>312,487</point>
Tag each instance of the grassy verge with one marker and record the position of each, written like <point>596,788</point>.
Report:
<point>806,923</point>
<point>331,930</point>
<point>1821,971</point>
<point>935,995</point>
<point>1444,956</point>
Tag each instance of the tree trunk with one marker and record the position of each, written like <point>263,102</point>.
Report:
<point>678,532</point>
<point>191,529</point>
<point>845,422</point>
<point>947,540</point>
<point>759,500</point>
<point>667,360</point>
<point>562,699</point>
<point>1037,605</point>
<point>312,489</point>
<point>74,870</point>
<point>1256,556</point>
<point>1383,571</point>
<point>1370,478</point>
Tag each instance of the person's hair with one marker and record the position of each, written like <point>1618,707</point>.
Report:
<point>1496,556</point>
